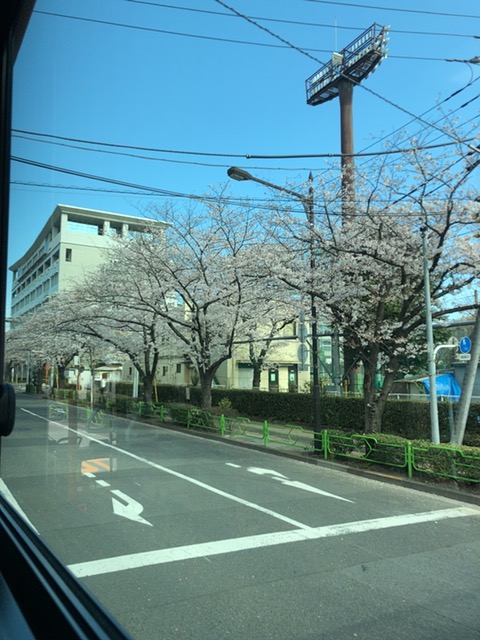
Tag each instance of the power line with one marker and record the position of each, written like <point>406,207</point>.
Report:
<point>212,154</point>
<point>153,190</point>
<point>388,210</point>
<point>134,147</point>
<point>379,8</point>
<point>296,22</point>
<point>217,38</point>
<point>250,156</point>
<point>287,44</point>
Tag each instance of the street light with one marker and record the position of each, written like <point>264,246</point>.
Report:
<point>308,204</point>
<point>430,344</point>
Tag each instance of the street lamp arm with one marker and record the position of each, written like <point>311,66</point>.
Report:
<point>240,174</point>
<point>444,346</point>
<point>308,204</point>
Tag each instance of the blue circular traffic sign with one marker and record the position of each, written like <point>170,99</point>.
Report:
<point>465,345</point>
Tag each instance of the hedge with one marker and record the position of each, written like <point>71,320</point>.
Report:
<point>409,419</point>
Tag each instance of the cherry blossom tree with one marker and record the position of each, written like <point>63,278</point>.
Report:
<point>45,342</point>
<point>33,339</point>
<point>369,265</point>
<point>102,308</point>
<point>200,276</point>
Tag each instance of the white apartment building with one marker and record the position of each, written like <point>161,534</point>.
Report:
<point>72,241</point>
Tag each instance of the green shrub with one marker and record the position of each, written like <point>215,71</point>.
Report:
<point>121,404</point>
<point>178,413</point>
<point>198,419</point>
<point>225,403</point>
<point>409,419</point>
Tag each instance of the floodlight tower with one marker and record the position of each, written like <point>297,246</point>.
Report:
<point>337,78</point>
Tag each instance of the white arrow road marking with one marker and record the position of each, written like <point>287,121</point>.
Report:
<point>266,472</point>
<point>294,483</point>
<point>307,487</point>
<point>131,510</point>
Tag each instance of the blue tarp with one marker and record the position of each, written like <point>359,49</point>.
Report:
<point>447,386</point>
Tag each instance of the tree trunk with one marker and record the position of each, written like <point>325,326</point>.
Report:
<point>370,363</point>
<point>147,388</point>
<point>257,363</point>
<point>376,401</point>
<point>257,374</point>
<point>206,379</point>
<point>61,376</point>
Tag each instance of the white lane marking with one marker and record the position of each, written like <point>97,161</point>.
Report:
<point>181,476</point>
<point>235,466</point>
<point>127,507</point>
<point>102,483</point>
<point>233,545</point>
<point>294,483</point>
<point>8,495</point>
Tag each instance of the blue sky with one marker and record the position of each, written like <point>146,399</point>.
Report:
<point>190,76</point>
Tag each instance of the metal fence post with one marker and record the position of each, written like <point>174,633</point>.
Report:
<point>265,433</point>
<point>409,454</point>
<point>222,425</point>
<point>325,443</point>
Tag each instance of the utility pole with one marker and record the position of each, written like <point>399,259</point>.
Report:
<point>468,383</point>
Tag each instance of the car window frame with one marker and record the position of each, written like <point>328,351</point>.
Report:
<point>39,596</point>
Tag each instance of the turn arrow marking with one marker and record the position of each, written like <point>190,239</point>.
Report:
<point>294,483</point>
<point>128,508</point>
<point>307,487</point>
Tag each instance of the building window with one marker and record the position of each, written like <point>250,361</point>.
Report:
<point>179,368</point>
<point>68,255</point>
<point>165,371</point>
<point>82,227</point>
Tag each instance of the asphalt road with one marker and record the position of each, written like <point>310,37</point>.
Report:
<point>190,538</point>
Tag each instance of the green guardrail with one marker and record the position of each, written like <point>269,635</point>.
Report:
<point>446,462</point>
<point>244,428</point>
<point>461,464</point>
<point>290,436</point>
<point>367,448</point>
